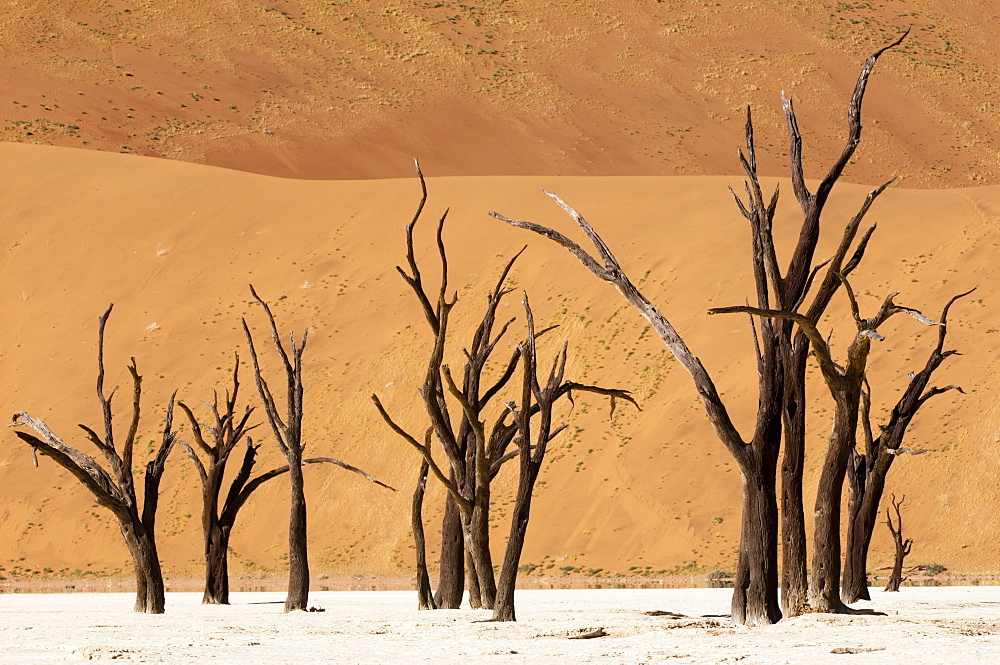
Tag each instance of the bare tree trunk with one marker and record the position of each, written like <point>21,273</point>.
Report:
<point>477,538</point>
<point>216,566</point>
<point>472,581</point>
<point>755,592</point>
<point>503,610</point>
<point>298,560</point>
<point>451,575</point>
<point>824,585</point>
<point>149,592</point>
<point>902,547</point>
<point>425,599</point>
<point>854,585</point>
<point>794,583</point>
<point>216,538</point>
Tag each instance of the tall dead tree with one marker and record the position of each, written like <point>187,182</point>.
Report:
<point>114,487</point>
<point>288,435</point>
<point>794,345</point>
<point>532,444</point>
<point>755,600</point>
<point>867,472</point>
<point>845,383</point>
<point>903,547</point>
<point>780,355</point>
<point>215,441</point>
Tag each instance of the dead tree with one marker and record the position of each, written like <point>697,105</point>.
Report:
<point>535,399</point>
<point>215,441</point>
<point>781,361</point>
<point>288,435</point>
<point>474,448</point>
<point>794,345</point>
<point>867,472</point>
<point>474,454</point>
<point>425,597</point>
<point>845,384</point>
<point>902,547</point>
<point>114,487</point>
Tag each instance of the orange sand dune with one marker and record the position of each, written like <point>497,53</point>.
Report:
<point>353,89</point>
<point>174,246</point>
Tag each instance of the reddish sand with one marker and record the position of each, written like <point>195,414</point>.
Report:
<point>354,89</point>
<point>174,245</point>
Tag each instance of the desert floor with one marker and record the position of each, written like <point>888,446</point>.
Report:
<point>921,625</point>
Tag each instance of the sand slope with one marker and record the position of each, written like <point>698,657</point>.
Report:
<point>352,89</point>
<point>175,245</point>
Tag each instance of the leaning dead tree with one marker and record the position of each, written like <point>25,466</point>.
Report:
<point>867,471</point>
<point>114,487</point>
<point>845,383</point>
<point>755,600</point>
<point>536,399</point>
<point>903,547</point>
<point>214,443</point>
<point>781,355</point>
<point>477,439</point>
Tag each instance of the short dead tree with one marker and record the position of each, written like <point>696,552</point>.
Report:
<point>215,441</point>
<point>532,444</point>
<point>114,487</point>
<point>903,547</point>
<point>867,472</point>
<point>287,432</point>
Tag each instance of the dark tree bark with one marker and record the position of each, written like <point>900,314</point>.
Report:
<point>867,472</point>
<point>780,379</point>
<point>115,488</point>
<point>425,597</point>
<point>451,573</point>
<point>475,449</point>
<point>845,385</point>
<point>288,434</point>
<point>902,547</point>
<point>216,441</point>
<point>535,399</point>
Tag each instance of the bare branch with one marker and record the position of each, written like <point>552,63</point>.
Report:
<point>424,449</point>
<point>716,410</point>
<point>586,259</point>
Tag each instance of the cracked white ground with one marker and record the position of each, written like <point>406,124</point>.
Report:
<point>921,625</point>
